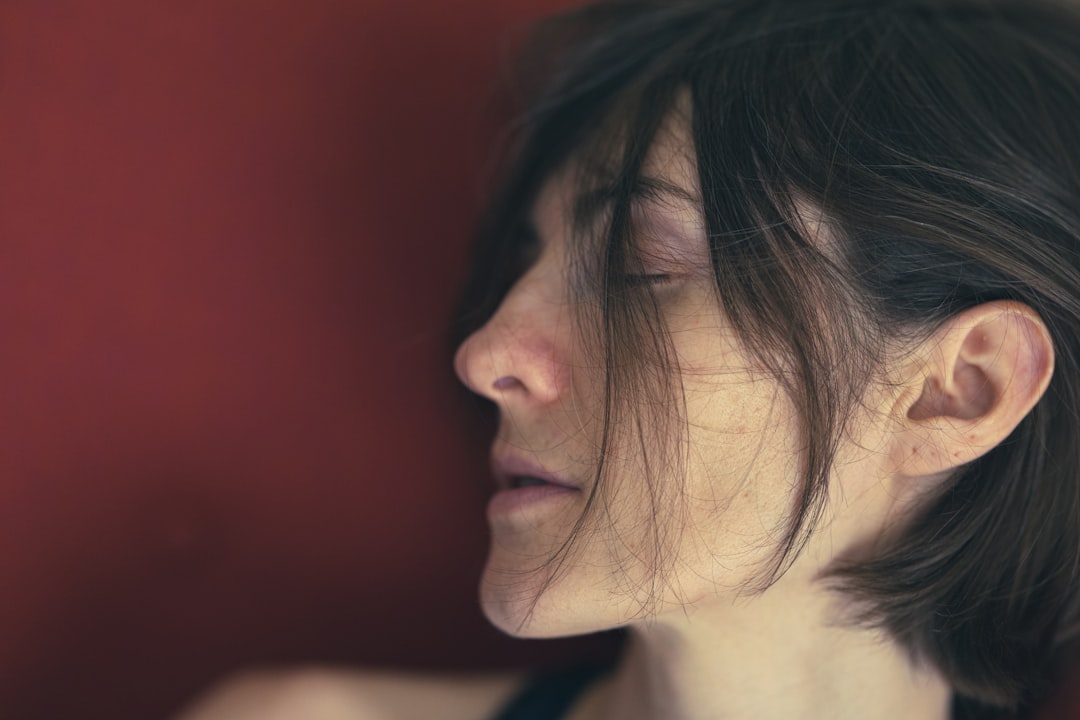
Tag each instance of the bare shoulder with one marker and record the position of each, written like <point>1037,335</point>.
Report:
<point>340,694</point>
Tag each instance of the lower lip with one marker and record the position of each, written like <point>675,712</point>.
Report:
<point>506,502</point>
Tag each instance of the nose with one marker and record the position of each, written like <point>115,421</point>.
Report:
<point>518,355</point>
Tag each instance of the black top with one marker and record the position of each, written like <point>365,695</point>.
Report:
<point>548,696</point>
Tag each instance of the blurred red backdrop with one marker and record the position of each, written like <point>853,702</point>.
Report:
<point>231,235</point>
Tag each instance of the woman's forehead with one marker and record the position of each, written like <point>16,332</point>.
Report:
<point>672,157</point>
<point>584,188</point>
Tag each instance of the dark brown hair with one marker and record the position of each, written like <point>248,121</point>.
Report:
<point>940,139</point>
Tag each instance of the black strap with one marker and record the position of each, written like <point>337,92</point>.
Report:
<point>550,695</point>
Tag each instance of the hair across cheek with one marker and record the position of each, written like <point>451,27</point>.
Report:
<point>693,440</point>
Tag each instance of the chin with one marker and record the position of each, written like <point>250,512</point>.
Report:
<point>511,601</point>
<point>516,602</point>
<point>520,620</point>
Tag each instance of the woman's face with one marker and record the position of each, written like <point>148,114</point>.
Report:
<point>717,519</point>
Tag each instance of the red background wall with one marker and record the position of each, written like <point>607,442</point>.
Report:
<point>231,233</point>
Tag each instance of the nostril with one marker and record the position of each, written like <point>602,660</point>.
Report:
<point>506,382</point>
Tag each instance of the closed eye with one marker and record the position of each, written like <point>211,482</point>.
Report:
<point>648,279</point>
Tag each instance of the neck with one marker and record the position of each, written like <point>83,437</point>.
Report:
<point>766,659</point>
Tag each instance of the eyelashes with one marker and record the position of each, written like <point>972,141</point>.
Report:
<point>648,279</point>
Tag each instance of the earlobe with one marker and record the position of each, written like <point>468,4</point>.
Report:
<point>972,383</point>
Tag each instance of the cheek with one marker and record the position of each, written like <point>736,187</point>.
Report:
<point>706,523</point>
<point>742,457</point>
<point>742,447</point>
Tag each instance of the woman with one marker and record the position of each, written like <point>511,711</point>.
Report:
<point>779,307</point>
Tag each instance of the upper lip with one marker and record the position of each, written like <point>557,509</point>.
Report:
<point>507,467</point>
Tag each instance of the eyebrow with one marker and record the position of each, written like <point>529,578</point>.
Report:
<point>591,203</point>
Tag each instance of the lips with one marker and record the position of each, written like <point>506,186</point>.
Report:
<point>525,492</point>
<point>514,472</point>
<point>520,481</point>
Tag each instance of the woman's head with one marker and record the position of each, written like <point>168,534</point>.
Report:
<point>779,287</point>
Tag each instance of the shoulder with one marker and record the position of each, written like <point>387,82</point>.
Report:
<point>338,694</point>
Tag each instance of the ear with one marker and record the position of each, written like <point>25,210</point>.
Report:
<point>968,386</point>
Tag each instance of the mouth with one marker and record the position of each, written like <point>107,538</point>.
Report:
<point>520,481</point>
<point>523,487</point>
<point>514,473</point>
